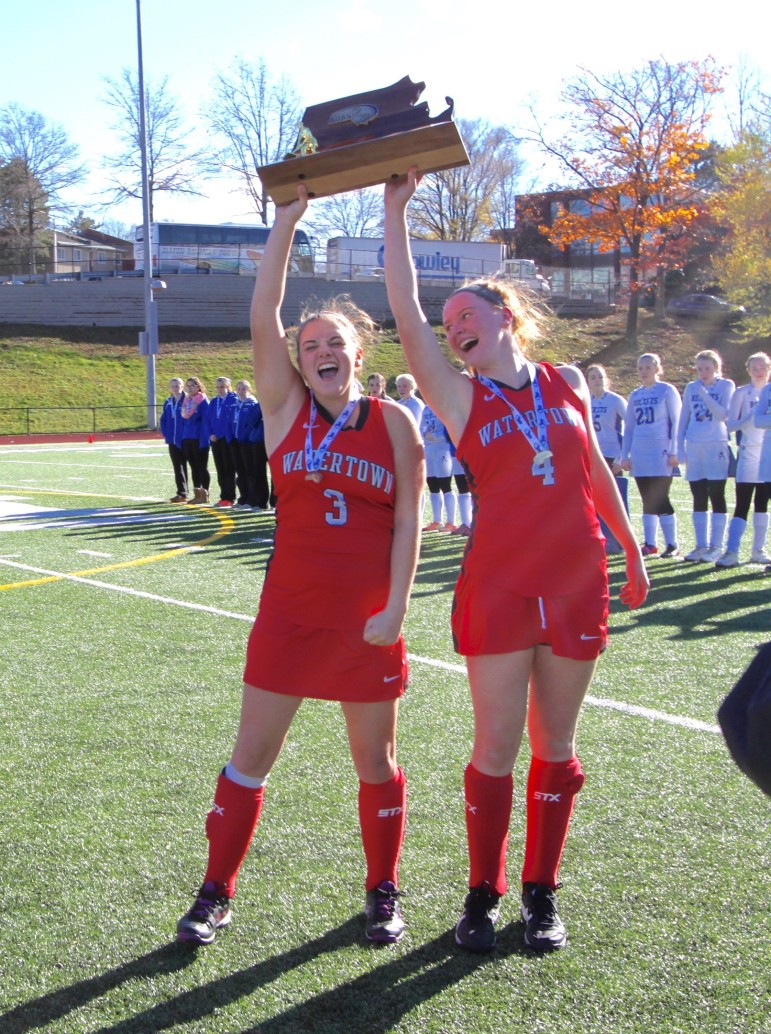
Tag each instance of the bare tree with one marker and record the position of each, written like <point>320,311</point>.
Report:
<point>257,118</point>
<point>45,149</point>
<point>41,161</point>
<point>173,163</point>
<point>468,204</point>
<point>23,217</point>
<point>358,213</point>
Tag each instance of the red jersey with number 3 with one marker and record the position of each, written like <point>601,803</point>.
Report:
<point>535,530</point>
<point>332,560</point>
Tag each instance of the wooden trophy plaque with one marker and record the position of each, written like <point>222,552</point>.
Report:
<point>363,140</point>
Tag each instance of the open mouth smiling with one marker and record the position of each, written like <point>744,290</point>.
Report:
<point>466,346</point>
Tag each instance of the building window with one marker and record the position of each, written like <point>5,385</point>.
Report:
<point>77,255</point>
<point>61,254</point>
<point>101,258</point>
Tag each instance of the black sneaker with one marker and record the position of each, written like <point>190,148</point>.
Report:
<point>544,930</point>
<point>384,920</point>
<point>475,930</point>
<point>210,913</point>
<point>672,550</point>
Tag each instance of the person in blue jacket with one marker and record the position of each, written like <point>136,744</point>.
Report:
<point>220,434</point>
<point>248,444</point>
<point>195,437</point>
<point>171,429</point>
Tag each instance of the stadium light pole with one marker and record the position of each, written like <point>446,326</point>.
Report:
<point>148,339</point>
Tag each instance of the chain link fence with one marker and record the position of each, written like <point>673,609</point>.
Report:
<point>72,419</point>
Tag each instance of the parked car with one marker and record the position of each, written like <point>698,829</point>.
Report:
<point>705,307</point>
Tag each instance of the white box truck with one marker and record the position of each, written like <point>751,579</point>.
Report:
<point>354,258</point>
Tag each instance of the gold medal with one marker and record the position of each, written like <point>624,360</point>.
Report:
<point>541,457</point>
<point>315,475</point>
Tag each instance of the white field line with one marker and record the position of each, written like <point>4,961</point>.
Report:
<point>83,466</point>
<point>41,450</point>
<point>614,705</point>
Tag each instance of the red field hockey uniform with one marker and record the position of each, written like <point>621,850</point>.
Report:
<point>330,570</point>
<point>536,535</point>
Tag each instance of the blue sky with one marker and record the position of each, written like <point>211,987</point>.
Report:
<point>56,53</point>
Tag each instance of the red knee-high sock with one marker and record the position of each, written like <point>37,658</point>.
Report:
<point>230,826</point>
<point>488,811</point>
<point>382,814</point>
<point>551,791</point>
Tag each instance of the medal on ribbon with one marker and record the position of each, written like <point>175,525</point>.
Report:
<point>314,458</point>
<point>538,439</point>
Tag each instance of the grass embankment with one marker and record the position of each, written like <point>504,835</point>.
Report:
<point>102,366</point>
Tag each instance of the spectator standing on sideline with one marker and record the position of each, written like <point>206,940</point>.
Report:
<point>246,434</point>
<point>221,433</point>
<point>531,604</point>
<point>195,438</point>
<point>749,441</point>
<point>171,429</point>
<point>348,472</point>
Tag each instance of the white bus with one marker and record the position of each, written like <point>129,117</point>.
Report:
<point>202,248</point>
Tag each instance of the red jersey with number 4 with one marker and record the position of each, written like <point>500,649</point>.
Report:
<point>332,560</point>
<point>535,530</point>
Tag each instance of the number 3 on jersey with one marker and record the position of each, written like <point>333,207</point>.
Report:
<point>545,470</point>
<point>339,512</point>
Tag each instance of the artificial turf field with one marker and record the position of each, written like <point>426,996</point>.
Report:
<point>124,623</point>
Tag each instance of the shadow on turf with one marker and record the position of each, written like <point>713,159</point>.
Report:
<point>377,999</point>
<point>250,541</point>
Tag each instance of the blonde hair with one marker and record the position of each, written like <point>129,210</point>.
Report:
<point>600,369</point>
<point>528,323</point>
<point>713,357</point>
<point>651,357</point>
<point>344,312</point>
<point>758,355</point>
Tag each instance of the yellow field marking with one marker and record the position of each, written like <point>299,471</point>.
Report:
<point>84,495</point>
<point>227,525</point>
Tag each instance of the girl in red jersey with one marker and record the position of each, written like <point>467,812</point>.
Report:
<point>531,602</point>
<point>348,472</point>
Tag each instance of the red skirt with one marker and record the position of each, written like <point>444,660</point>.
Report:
<point>324,663</point>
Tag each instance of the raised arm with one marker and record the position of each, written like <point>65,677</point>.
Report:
<point>445,389</point>
<point>279,384</point>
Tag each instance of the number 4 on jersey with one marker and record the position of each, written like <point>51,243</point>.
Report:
<point>543,468</point>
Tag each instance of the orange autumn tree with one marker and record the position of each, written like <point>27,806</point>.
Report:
<point>632,149</point>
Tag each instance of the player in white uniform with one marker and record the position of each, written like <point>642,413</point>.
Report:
<point>749,439</point>
<point>439,459</point>
<point>649,451</point>
<point>608,414</point>
<point>763,421</point>
<point>702,444</point>
<point>405,389</point>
